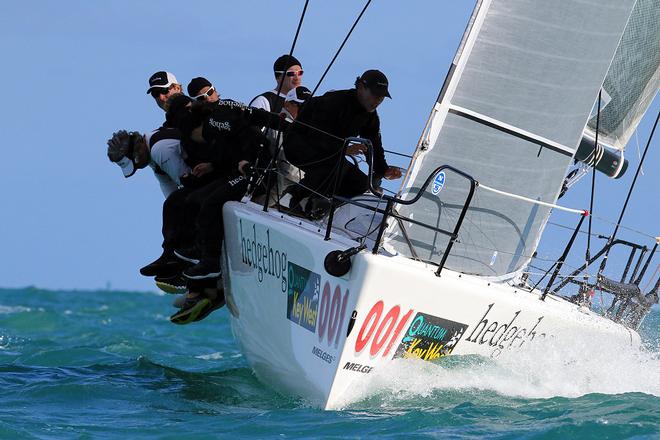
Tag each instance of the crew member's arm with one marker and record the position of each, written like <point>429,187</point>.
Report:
<point>166,155</point>
<point>261,118</point>
<point>372,132</point>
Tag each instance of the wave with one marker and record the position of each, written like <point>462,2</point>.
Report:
<point>554,368</point>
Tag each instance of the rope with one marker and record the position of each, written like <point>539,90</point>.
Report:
<point>536,202</point>
<point>398,154</point>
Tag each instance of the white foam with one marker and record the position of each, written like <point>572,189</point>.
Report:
<point>556,368</point>
<point>211,356</point>
<point>7,310</point>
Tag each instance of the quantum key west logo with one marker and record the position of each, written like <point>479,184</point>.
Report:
<point>303,296</point>
<point>429,338</point>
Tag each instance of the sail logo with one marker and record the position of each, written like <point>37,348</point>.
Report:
<point>438,183</point>
<point>504,335</point>
<point>303,297</point>
<point>429,338</point>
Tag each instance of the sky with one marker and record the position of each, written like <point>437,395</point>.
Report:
<point>75,71</point>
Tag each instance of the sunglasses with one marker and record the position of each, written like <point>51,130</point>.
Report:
<point>292,73</point>
<point>205,95</point>
<point>156,92</point>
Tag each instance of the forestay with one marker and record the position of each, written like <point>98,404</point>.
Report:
<point>633,79</point>
<point>511,113</point>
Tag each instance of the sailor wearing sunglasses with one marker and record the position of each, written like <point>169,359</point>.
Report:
<point>162,85</point>
<point>288,75</point>
<point>201,89</point>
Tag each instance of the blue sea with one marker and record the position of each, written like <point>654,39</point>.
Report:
<point>108,364</point>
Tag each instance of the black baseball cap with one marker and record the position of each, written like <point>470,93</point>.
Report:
<point>161,80</point>
<point>197,84</point>
<point>283,63</point>
<point>376,82</point>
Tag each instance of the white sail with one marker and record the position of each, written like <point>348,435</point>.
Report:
<point>511,114</point>
<point>633,79</point>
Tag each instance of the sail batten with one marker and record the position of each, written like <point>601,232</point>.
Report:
<point>511,114</point>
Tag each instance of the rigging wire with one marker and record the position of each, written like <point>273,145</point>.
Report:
<point>279,133</point>
<point>357,20</point>
<point>279,144</point>
<point>593,175</point>
<point>632,187</point>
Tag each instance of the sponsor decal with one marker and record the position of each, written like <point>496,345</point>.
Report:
<point>438,183</point>
<point>504,334</point>
<point>358,367</point>
<point>332,313</point>
<point>323,355</point>
<point>378,329</point>
<point>257,253</point>
<point>303,297</point>
<point>429,338</point>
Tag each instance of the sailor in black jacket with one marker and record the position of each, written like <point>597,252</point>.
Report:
<point>220,134</point>
<point>315,145</point>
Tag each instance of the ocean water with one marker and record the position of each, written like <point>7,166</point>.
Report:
<point>106,364</point>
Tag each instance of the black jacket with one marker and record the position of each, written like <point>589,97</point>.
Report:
<point>229,137</point>
<point>340,114</point>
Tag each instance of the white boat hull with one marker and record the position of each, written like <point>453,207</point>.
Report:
<point>310,334</point>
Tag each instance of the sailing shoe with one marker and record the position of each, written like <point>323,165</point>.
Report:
<point>174,284</point>
<point>215,305</point>
<point>165,265</point>
<point>202,270</point>
<point>189,254</point>
<point>191,310</point>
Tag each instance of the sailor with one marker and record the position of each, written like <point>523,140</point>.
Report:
<point>162,85</point>
<point>201,89</point>
<point>288,75</point>
<point>315,145</point>
<point>225,127</point>
<point>160,149</point>
<point>287,173</point>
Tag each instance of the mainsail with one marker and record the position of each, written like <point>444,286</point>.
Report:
<point>633,78</point>
<point>511,113</point>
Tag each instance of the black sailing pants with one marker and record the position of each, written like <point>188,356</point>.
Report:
<point>210,230</point>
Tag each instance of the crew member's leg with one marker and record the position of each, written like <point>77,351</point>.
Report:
<point>210,230</point>
<point>173,226</point>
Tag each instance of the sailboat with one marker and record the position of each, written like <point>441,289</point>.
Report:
<point>438,268</point>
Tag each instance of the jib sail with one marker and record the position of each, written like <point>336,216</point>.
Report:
<point>511,114</point>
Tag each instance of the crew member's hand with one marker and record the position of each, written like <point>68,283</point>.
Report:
<point>355,149</point>
<point>202,168</point>
<point>118,145</point>
<point>242,166</point>
<point>392,173</point>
